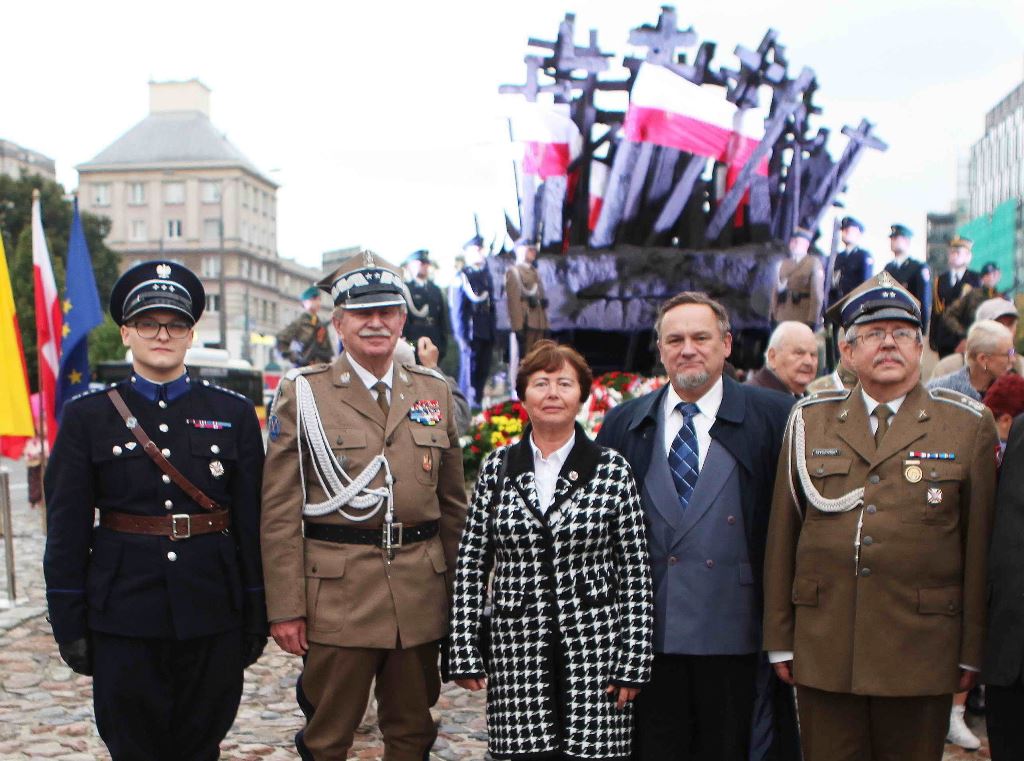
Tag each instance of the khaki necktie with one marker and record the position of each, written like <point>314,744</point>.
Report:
<point>382,397</point>
<point>882,414</point>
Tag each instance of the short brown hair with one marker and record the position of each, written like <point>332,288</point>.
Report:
<point>547,356</point>
<point>694,297</point>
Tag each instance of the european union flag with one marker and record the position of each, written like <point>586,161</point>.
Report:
<point>82,313</point>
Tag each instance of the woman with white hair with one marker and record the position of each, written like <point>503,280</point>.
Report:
<point>989,355</point>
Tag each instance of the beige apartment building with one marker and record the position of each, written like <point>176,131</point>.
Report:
<point>16,161</point>
<point>174,187</point>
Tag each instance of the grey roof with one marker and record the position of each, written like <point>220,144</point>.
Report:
<point>172,137</point>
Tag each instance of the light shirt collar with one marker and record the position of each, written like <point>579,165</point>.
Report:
<point>707,404</point>
<point>557,457</point>
<point>368,378</point>
<point>546,470</point>
<point>870,403</point>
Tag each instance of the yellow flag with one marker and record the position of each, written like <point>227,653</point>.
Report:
<point>16,426</point>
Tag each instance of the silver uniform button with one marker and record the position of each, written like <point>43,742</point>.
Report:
<point>116,450</point>
<point>168,504</point>
<point>164,428</point>
<point>172,556</point>
<point>162,404</point>
<point>165,478</point>
<point>165,452</point>
<point>214,448</point>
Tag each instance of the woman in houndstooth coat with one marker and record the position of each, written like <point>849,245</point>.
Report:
<point>559,521</point>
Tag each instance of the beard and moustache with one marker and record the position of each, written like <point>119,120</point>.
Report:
<point>692,380</point>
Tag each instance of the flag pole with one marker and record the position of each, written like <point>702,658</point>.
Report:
<point>42,410</point>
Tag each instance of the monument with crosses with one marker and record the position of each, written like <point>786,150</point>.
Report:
<point>696,185</point>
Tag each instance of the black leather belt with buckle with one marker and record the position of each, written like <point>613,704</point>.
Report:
<point>400,534</point>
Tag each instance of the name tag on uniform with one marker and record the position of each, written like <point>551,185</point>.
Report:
<point>826,452</point>
<point>426,412</point>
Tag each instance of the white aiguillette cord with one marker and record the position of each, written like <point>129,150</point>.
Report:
<point>356,495</point>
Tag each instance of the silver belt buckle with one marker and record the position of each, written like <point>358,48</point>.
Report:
<point>175,534</point>
<point>390,542</point>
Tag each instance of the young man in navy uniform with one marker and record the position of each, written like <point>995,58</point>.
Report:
<point>909,272</point>
<point>162,602</point>
<point>853,264</point>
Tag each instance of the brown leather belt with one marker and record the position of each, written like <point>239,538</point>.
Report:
<point>174,527</point>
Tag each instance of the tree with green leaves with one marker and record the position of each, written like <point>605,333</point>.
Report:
<point>16,227</point>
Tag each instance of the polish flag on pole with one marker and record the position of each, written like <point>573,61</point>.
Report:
<point>673,112</point>
<point>48,323</point>
<point>550,138</point>
<point>598,185</point>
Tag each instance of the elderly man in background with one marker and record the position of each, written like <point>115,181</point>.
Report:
<point>791,361</point>
<point>999,309</point>
<point>990,354</point>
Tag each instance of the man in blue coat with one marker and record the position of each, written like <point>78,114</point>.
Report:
<point>162,602</point>
<point>703,450</point>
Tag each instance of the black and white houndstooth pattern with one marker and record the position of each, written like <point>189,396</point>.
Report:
<point>577,580</point>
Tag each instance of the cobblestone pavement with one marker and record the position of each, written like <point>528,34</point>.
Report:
<point>46,709</point>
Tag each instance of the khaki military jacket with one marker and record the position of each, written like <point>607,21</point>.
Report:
<point>889,598</point>
<point>348,593</point>
<point>524,292</point>
<point>311,332</point>
<point>803,293</point>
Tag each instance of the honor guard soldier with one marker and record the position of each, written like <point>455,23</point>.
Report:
<point>801,284</point>
<point>473,321</point>
<point>948,288</point>
<point>162,602</point>
<point>912,274</point>
<point>428,310</point>
<point>364,504</point>
<point>853,265</point>
<point>524,294</point>
<point>306,340</point>
<point>875,572</point>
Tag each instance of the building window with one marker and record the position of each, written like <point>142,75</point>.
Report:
<point>213,302</point>
<point>245,268</point>
<point>210,192</point>
<point>173,228</point>
<point>210,266</point>
<point>211,230</point>
<point>137,230</point>
<point>101,194</point>
<point>174,192</point>
<point>136,193</point>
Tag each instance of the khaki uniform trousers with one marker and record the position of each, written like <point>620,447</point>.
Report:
<point>837,726</point>
<point>334,689</point>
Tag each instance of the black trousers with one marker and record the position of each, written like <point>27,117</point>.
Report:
<point>1004,719</point>
<point>166,700</point>
<point>696,707</point>
<point>480,369</point>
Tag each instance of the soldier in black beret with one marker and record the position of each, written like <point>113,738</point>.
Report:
<point>162,602</point>
<point>428,311</point>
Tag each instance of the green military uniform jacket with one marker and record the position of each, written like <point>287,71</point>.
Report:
<point>348,593</point>
<point>310,332</point>
<point>888,598</point>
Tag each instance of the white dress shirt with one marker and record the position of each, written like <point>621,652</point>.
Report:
<point>546,470</point>
<point>702,422</point>
<point>370,380</point>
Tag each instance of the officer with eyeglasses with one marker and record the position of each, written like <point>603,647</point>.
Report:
<point>875,570</point>
<point>161,599</point>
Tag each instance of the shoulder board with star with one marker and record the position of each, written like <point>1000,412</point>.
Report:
<point>295,372</point>
<point>826,395</point>
<point>228,391</point>
<point>949,396</point>
<point>421,370</point>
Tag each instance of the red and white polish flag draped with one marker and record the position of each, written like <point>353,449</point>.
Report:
<point>670,111</point>
<point>549,137</point>
<point>48,323</point>
<point>598,186</point>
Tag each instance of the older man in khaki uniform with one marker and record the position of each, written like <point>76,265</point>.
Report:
<point>800,288</point>
<point>875,572</point>
<point>364,504</point>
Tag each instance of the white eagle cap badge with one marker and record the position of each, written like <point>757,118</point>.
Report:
<point>163,271</point>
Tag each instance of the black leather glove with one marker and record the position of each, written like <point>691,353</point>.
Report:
<point>252,648</point>
<point>78,655</point>
<point>544,303</point>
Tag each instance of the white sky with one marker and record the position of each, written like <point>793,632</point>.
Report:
<point>381,120</point>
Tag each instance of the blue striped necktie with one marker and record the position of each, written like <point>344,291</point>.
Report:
<point>682,457</point>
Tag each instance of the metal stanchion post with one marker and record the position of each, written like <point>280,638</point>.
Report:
<point>5,515</point>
